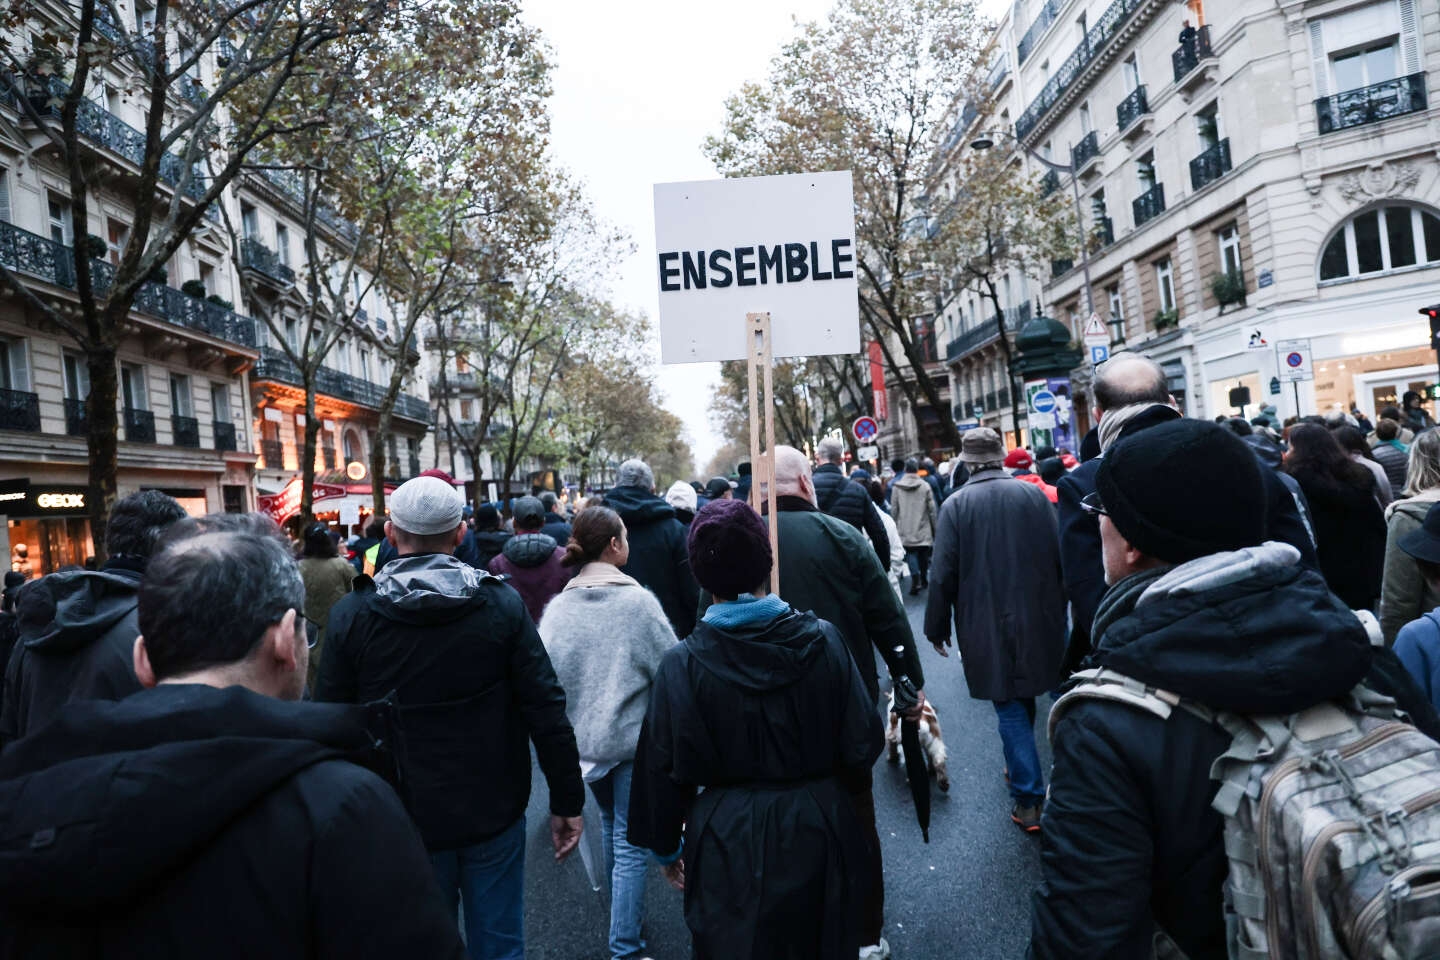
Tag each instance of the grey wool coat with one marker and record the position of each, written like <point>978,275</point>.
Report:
<point>996,567</point>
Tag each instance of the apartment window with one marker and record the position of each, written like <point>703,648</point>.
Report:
<point>145,20</point>
<point>5,195</point>
<point>365,364</point>
<point>467,410</point>
<point>1361,68</point>
<point>249,220</point>
<point>1207,126</point>
<point>355,287</point>
<point>181,403</point>
<point>292,333</point>
<point>1117,313</point>
<point>1165,284</point>
<point>1229,242</point>
<point>1085,117</point>
<point>1368,44</point>
<point>132,387</point>
<point>207,277</point>
<point>14,365</point>
<point>462,363</point>
<point>1048,150</point>
<point>220,402</point>
<point>117,235</point>
<point>62,227</point>
<point>1380,240</point>
<point>282,243</point>
<point>1145,171</point>
<point>77,376</point>
<point>1132,72</point>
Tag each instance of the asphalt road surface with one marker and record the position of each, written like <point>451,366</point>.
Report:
<point>964,895</point>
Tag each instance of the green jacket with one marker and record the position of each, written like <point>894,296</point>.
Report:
<point>1404,594</point>
<point>828,568</point>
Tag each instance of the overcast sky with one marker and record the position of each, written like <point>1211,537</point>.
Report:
<point>638,86</point>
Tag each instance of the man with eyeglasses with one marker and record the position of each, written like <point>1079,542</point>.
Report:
<point>997,568</point>
<point>212,813</point>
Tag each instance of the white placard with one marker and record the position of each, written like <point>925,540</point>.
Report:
<point>783,245</point>
<point>349,514</point>
<point>868,452</point>
<point>1293,359</point>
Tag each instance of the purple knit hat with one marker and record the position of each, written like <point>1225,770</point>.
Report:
<point>729,548</point>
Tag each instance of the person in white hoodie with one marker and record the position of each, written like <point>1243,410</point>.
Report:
<point>605,635</point>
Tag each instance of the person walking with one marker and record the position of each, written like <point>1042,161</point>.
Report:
<point>369,541</point>
<point>489,538</point>
<point>555,523</point>
<point>683,498</point>
<point>912,505</point>
<point>657,544</point>
<point>997,573</point>
<point>327,577</point>
<point>76,629</point>
<point>759,732</point>
<point>895,564</point>
<point>1412,409</point>
<point>531,560</point>
<point>459,650</point>
<point>1391,454</point>
<point>1418,642</point>
<point>212,814</point>
<point>1352,441</point>
<point>1405,595</point>
<point>606,634</point>
<point>1349,524</point>
<point>843,500</point>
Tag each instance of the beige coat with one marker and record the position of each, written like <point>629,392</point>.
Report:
<point>912,504</point>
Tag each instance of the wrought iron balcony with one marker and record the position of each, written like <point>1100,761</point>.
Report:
<point>1097,39</point>
<point>261,258</point>
<point>139,425</point>
<point>1132,108</point>
<point>362,315</point>
<point>1043,18</point>
<point>1060,267</point>
<point>1379,101</point>
<point>999,70</point>
<point>272,454</point>
<point>1102,234</point>
<point>1149,204</point>
<point>291,184</point>
<point>1049,183</point>
<point>76,419</point>
<point>185,430</point>
<point>1187,56</point>
<point>381,327</point>
<point>1086,150</point>
<point>972,340</point>
<point>224,53</point>
<point>275,365</point>
<point>54,263</point>
<point>1210,165</point>
<point>224,435</point>
<point>19,410</point>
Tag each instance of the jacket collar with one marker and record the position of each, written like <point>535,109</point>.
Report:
<point>829,468</point>
<point>599,574</point>
<point>789,503</point>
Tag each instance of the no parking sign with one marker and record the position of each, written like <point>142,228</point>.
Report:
<point>1294,360</point>
<point>865,429</point>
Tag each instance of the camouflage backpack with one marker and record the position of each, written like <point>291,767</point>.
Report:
<point>1332,825</point>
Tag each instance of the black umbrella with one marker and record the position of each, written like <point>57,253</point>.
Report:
<point>906,698</point>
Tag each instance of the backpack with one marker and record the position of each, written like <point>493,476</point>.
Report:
<point>1332,824</point>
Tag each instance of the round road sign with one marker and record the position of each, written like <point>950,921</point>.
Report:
<point>1295,360</point>
<point>1043,401</point>
<point>865,429</point>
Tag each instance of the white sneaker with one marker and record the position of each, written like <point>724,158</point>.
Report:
<point>880,951</point>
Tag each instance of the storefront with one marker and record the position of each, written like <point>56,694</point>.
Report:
<point>47,525</point>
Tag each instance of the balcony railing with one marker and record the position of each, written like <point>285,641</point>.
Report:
<point>257,256</point>
<point>1187,56</point>
<point>272,454</point>
<point>972,340</point>
<point>1061,266</point>
<point>1049,183</point>
<point>76,419</point>
<point>1132,108</point>
<point>1149,204</point>
<point>381,327</point>
<point>19,410</point>
<point>139,426</point>
<point>1096,40</point>
<point>275,365</point>
<point>292,184</point>
<point>1103,233</point>
<point>185,430</point>
<point>1086,150</point>
<point>1210,165</point>
<point>1046,16</point>
<point>999,70</point>
<point>54,263</point>
<point>1379,101</point>
<point>224,435</point>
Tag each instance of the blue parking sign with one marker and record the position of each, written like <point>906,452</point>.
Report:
<point>1099,353</point>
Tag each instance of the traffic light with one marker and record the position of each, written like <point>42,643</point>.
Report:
<point>1432,313</point>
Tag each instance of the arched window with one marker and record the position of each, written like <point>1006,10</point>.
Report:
<point>1380,240</point>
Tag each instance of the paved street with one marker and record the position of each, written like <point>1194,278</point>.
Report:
<point>966,894</point>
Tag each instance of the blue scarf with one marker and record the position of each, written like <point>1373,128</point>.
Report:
<point>1397,445</point>
<point>745,610</point>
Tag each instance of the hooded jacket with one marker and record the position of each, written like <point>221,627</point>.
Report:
<point>1404,593</point>
<point>659,559</point>
<point>187,821</point>
<point>474,688</point>
<point>775,859</point>
<point>844,499</point>
<point>488,544</point>
<point>557,527</point>
<point>1129,839</point>
<point>77,635</point>
<point>532,562</point>
<point>912,504</point>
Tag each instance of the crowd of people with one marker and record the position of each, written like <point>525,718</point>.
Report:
<point>223,721</point>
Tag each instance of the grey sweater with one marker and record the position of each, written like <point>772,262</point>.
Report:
<point>606,642</point>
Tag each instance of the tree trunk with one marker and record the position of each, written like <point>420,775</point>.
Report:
<point>377,462</point>
<point>307,452</point>
<point>1006,349</point>
<point>101,440</point>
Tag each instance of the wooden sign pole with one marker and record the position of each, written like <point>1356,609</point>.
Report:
<point>760,364</point>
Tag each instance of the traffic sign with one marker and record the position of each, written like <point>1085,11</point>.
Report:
<point>865,429</point>
<point>1099,353</point>
<point>1095,331</point>
<point>1043,401</point>
<point>1294,357</point>
<point>868,452</point>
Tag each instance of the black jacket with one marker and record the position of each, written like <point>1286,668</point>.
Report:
<point>774,721</point>
<point>1396,464</point>
<point>487,546</point>
<point>474,687</point>
<point>76,642</point>
<point>556,527</point>
<point>844,499</point>
<point>659,558</point>
<point>1349,536</point>
<point>187,821</point>
<point>1129,839</point>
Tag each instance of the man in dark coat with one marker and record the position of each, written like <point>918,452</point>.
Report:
<point>460,652</point>
<point>776,859</point>
<point>489,539</point>
<point>657,545</point>
<point>555,523</point>
<point>531,559</point>
<point>212,814</point>
<point>76,629</point>
<point>844,500</point>
<point>1201,606</point>
<point>997,566</point>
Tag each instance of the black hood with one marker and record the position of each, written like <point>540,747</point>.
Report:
<point>763,656</point>
<point>491,541</point>
<point>98,806</point>
<point>64,612</point>
<point>1270,639</point>
<point>528,550</point>
<point>638,506</point>
<point>1267,450</point>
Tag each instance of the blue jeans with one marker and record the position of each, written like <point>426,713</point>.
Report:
<point>1017,734</point>
<point>626,864</point>
<point>491,878</point>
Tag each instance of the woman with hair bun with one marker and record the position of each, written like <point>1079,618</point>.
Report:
<point>605,635</point>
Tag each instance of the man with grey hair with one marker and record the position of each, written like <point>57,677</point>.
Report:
<point>846,500</point>
<point>659,559</point>
<point>460,652</point>
<point>555,523</point>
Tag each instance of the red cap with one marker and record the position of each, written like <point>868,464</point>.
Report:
<point>439,474</point>
<point>1019,457</point>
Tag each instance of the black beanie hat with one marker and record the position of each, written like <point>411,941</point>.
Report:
<point>729,548</point>
<point>1184,489</point>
